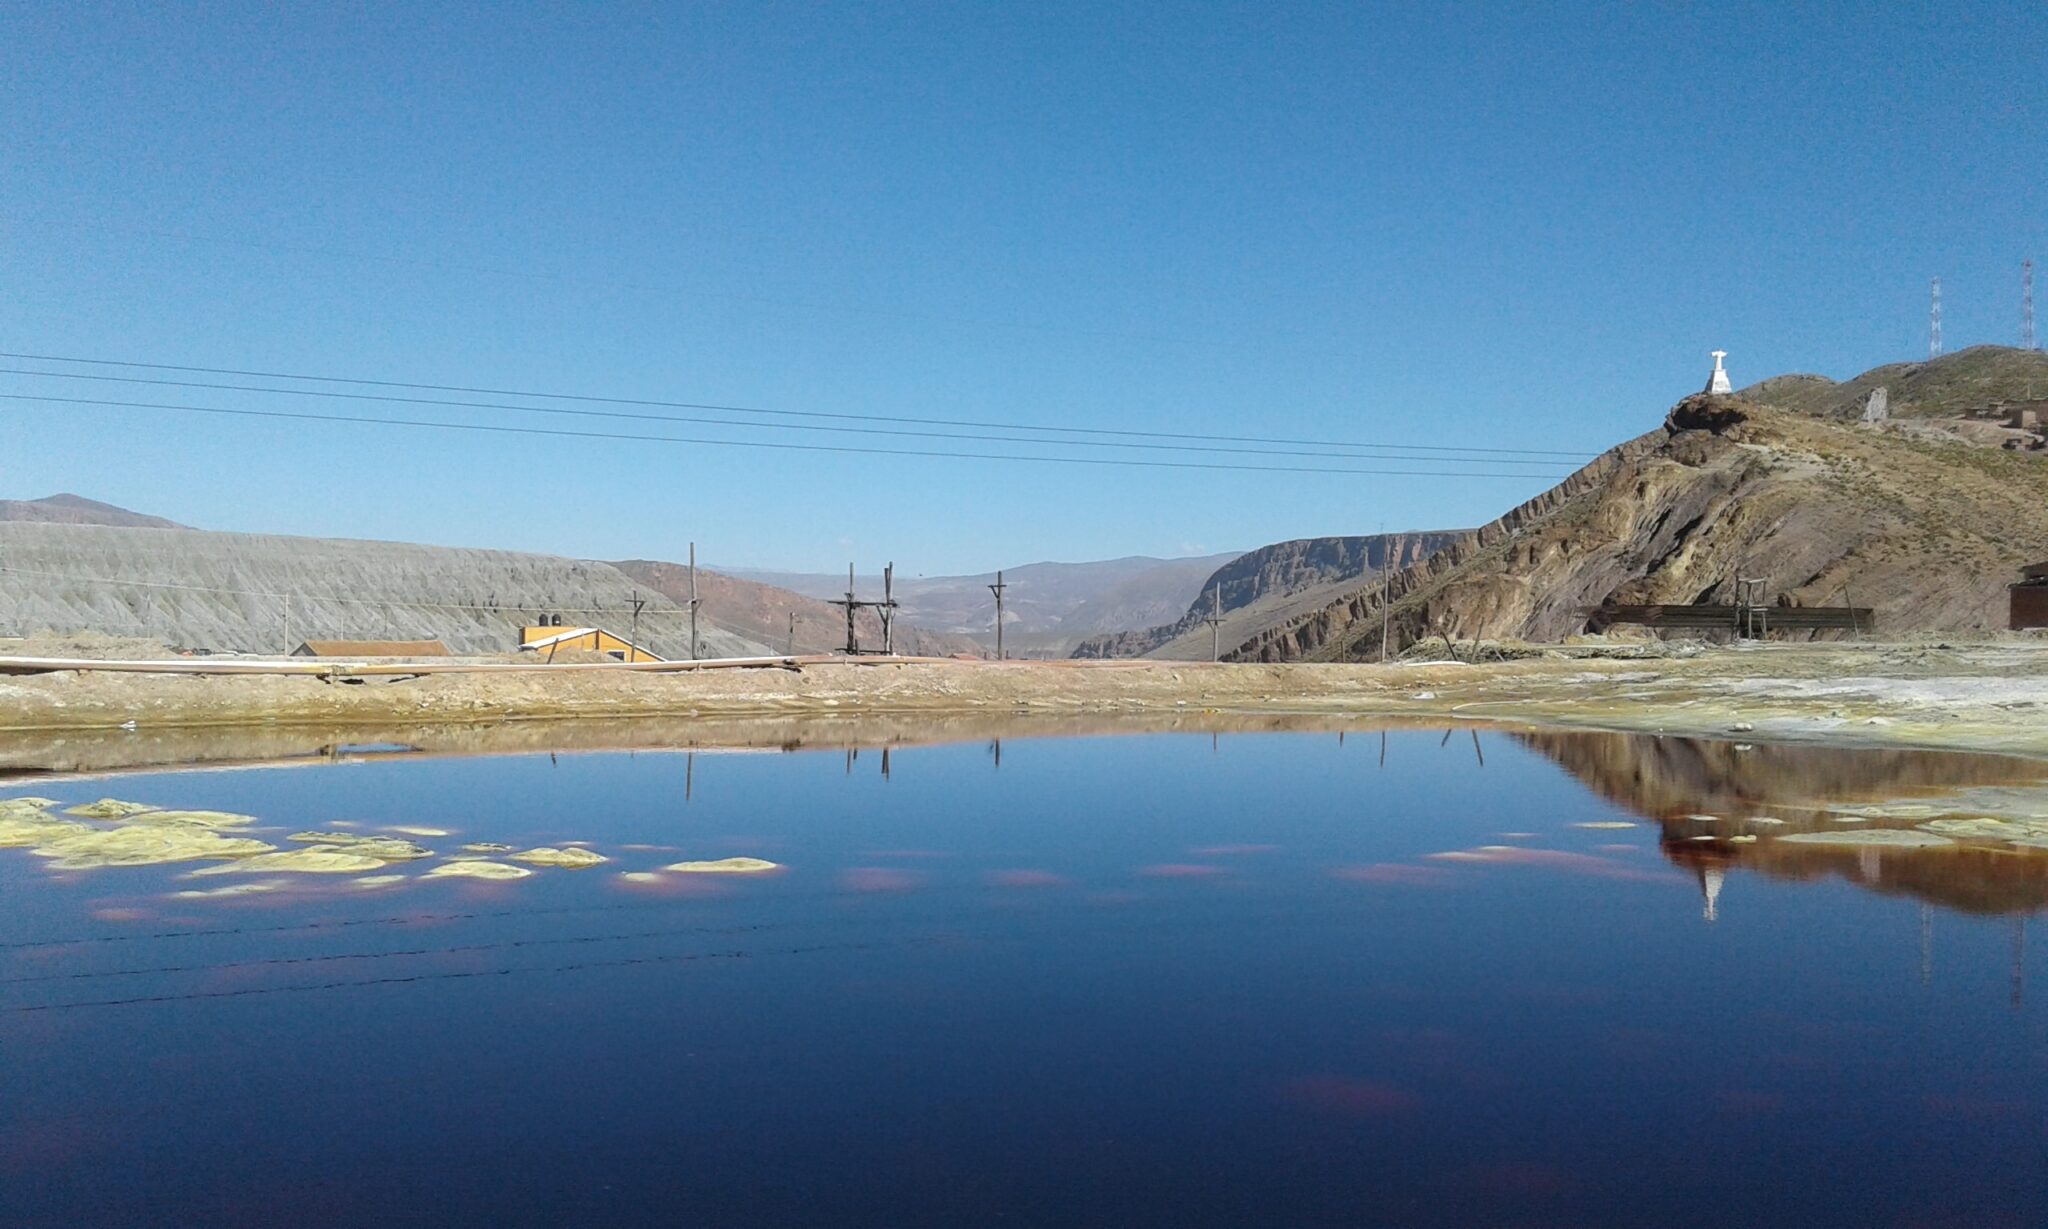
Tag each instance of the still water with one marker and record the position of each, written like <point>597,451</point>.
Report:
<point>1168,979</point>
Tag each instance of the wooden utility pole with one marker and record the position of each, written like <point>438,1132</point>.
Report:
<point>886,612</point>
<point>633,648</point>
<point>884,609</point>
<point>1215,621</point>
<point>997,589</point>
<point>792,634</point>
<point>1386,592</point>
<point>693,601</point>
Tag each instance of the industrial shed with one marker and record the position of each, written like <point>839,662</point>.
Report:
<point>551,640</point>
<point>2030,599</point>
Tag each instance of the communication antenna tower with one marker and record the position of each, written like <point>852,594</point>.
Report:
<point>2027,306</point>
<point>1934,322</point>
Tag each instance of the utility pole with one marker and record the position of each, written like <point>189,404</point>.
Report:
<point>997,589</point>
<point>886,612</point>
<point>2027,305</point>
<point>1215,622</point>
<point>693,601</point>
<point>852,643</point>
<point>633,649</point>
<point>792,634</point>
<point>1934,321</point>
<point>1386,593</point>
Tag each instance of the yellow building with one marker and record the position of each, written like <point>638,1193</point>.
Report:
<point>552,640</point>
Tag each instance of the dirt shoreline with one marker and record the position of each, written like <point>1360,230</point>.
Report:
<point>1983,697</point>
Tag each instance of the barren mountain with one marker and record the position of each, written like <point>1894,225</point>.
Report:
<point>265,593</point>
<point>1051,603</point>
<point>78,510</point>
<point>1267,587</point>
<point>1920,519</point>
<point>762,613</point>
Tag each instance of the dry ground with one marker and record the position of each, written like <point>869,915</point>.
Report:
<point>1988,697</point>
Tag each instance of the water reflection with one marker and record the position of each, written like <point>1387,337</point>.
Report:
<point>1725,806</point>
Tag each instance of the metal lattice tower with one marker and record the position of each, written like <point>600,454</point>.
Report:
<point>2027,306</point>
<point>1934,322</point>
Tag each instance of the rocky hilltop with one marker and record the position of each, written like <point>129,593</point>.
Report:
<point>1925,524</point>
<point>1266,586</point>
<point>78,510</point>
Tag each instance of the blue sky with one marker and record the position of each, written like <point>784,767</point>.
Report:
<point>1504,226</point>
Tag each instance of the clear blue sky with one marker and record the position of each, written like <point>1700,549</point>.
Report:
<point>1514,226</point>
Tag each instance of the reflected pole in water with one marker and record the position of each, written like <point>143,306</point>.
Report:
<point>2019,960</point>
<point>1383,748</point>
<point>996,745</point>
<point>852,754</point>
<point>1475,749</point>
<point>1447,737</point>
<point>1926,944</point>
<point>689,776</point>
<point>885,763</point>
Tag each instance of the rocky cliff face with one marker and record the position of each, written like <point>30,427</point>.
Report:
<point>1928,532</point>
<point>1258,583</point>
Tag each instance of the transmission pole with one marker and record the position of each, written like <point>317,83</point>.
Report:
<point>1215,622</point>
<point>997,589</point>
<point>693,601</point>
<point>633,648</point>
<point>2027,305</point>
<point>1934,321</point>
<point>1386,592</point>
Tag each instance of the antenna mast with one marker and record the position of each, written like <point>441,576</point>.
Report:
<point>1934,322</point>
<point>2027,306</point>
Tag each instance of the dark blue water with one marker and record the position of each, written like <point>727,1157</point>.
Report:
<point>1116,981</point>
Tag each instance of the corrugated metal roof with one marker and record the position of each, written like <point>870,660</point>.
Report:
<point>371,648</point>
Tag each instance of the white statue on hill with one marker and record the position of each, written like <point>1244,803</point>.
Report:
<point>1718,382</point>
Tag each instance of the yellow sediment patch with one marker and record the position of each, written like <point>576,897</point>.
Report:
<point>233,889</point>
<point>724,866</point>
<point>110,808</point>
<point>1987,828</point>
<point>37,829</point>
<point>1894,838</point>
<point>477,869</point>
<point>143,845</point>
<point>640,876</point>
<point>377,881</point>
<point>1604,825</point>
<point>410,830</point>
<point>382,848</point>
<point>487,847</point>
<point>192,819</point>
<point>312,860</point>
<point>572,858</point>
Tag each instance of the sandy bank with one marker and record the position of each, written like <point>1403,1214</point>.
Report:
<point>1990,697</point>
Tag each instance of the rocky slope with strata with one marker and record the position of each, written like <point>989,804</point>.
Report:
<point>1927,530</point>
<point>1267,586</point>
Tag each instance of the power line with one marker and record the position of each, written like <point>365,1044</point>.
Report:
<point>726,422</point>
<point>741,409</point>
<point>500,429</point>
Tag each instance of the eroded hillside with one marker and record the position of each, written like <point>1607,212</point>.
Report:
<point>1927,530</point>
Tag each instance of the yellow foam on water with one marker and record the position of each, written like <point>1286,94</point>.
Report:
<point>724,866</point>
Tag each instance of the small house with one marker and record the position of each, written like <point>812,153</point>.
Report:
<point>552,640</point>
<point>2030,599</point>
<point>371,648</point>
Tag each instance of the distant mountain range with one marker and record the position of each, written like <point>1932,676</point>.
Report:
<point>1048,607</point>
<point>78,510</point>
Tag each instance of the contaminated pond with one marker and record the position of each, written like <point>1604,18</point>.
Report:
<point>1336,976</point>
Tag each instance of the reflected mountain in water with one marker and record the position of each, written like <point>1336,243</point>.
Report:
<point>1715,803</point>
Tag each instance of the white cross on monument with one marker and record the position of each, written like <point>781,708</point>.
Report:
<point>1719,383</point>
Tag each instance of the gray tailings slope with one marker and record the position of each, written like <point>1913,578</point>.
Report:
<point>226,592</point>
